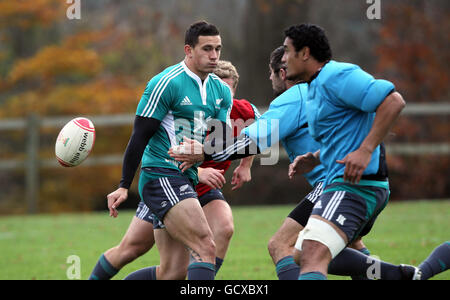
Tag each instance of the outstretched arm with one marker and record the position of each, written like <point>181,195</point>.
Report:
<point>191,152</point>
<point>242,173</point>
<point>143,130</point>
<point>386,115</point>
<point>304,163</point>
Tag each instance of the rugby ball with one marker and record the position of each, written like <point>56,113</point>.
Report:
<point>75,141</point>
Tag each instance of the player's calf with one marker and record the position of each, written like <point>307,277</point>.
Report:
<point>281,244</point>
<point>187,223</point>
<point>315,258</point>
<point>128,253</point>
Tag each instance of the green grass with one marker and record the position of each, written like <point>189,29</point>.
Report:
<point>37,247</point>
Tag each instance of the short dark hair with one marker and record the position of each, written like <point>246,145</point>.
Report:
<point>275,59</point>
<point>311,36</point>
<point>197,29</point>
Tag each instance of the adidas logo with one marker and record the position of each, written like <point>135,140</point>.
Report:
<point>318,205</point>
<point>186,101</point>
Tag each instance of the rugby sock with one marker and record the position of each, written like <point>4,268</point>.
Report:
<point>287,269</point>
<point>143,274</point>
<point>351,262</point>
<point>312,276</point>
<point>219,263</point>
<point>437,262</point>
<point>103,270</point>
<point>364,251</point>
<point>201,271</point>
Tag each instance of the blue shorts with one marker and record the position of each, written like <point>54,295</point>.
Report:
<point>302,211</point>
<point>144,213</point>
<point>161,193</point>
<point>214,194</point>
<point>353,208</point>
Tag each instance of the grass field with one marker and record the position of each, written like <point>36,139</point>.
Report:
<point>37,247</point>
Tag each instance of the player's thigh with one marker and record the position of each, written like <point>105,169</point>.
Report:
<point>174,257</point>
<point>187,223</point>
<point>219,216</point>
<point>320,239</point>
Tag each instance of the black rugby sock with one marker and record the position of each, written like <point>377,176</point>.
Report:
<point>437,262</point>
<point>287,269</point>
<point>201,271</point>
<point>364,251</point>
<point>143,274</point>
<point>219,263</point>
<point>351,262</point>
<point>103,270</point>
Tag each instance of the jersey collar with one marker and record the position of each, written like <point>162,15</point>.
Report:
<point>201,86</point>
<point>317,73</point>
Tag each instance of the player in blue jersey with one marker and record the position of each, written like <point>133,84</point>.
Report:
<point>281,244</point>
<point>349,113</point>
<point>177,103</point>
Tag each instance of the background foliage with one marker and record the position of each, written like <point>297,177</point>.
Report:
<point>99,65</point>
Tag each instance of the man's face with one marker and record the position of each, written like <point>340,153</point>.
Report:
<point>206,53</point>
<point>278,84</point>
<point>294,62</point>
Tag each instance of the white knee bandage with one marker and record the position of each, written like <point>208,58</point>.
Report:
<point>322,232</point>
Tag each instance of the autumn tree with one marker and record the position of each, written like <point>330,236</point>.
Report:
<point>52,66</point>
<point>413,52</point>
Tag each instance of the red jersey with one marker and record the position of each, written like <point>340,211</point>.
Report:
<point>243,113</point>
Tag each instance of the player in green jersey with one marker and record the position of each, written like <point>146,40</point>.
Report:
<point>177,102</point>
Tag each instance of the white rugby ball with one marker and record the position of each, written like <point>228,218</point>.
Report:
<point>75,141</point>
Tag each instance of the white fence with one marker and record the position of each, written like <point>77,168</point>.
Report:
<point>32,164</point>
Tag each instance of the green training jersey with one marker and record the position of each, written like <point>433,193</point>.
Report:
<point>184,104</point>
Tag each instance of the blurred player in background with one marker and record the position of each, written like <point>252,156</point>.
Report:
<point>295,142</point>
<point>140,238</point>
<point>216,208</point>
